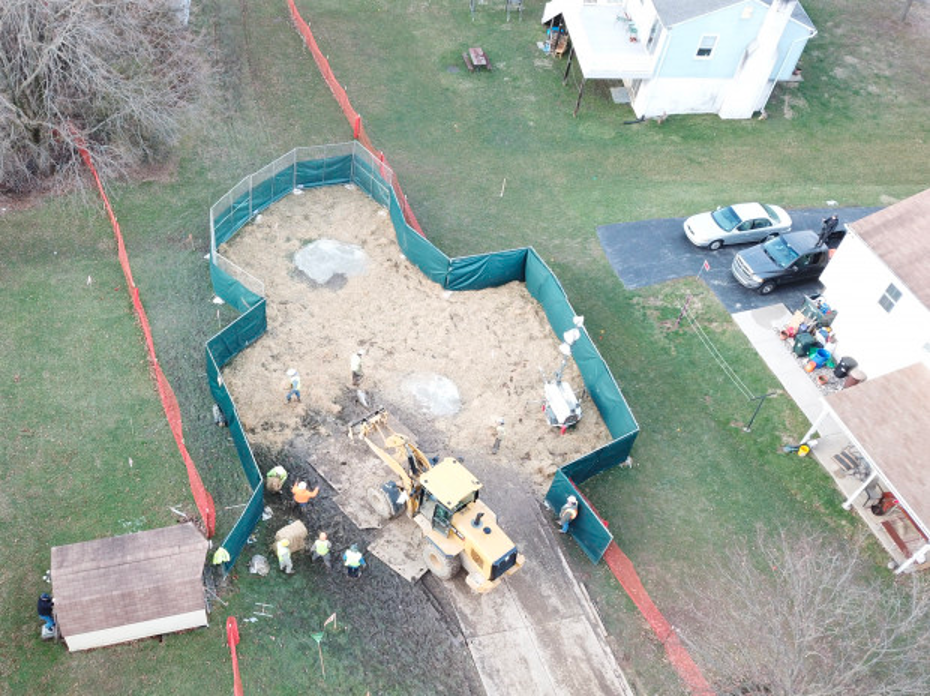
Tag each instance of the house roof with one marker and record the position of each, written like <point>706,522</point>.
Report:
<point>900,236</point>
<point>673,12</point>
<point>127,579</point>
<point>889,417</point>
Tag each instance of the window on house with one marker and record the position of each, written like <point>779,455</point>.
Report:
<point>890,298</point>
<point>653,36</point>
<point>706,47</point>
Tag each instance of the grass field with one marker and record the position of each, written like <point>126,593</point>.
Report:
<point>76,401</point>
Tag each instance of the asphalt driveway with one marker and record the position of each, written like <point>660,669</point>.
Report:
<point>654,251</point>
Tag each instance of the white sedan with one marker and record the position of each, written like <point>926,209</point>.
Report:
<point>737,224</point>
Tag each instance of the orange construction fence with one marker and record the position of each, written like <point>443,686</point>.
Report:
<point>622,568</point>
<point>169,401</point>
<point>352,116</point>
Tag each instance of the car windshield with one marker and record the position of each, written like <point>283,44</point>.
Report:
<point>780,252</point>
<point>726,218</point>
<point>770,211</point>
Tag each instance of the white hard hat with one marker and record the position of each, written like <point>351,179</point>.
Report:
<point>302,484</point>
<point>291,372</point>
<point>572,499</point>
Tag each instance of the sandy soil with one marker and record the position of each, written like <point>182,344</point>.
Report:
<point>452,363</point>
<point>446,365</point>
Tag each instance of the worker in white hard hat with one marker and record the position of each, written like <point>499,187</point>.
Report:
<point>321,549</point>
<point>356,366</point>
<point>302,494</point>
<point>283,551</point>
<point>568,513</point>
<point>293,385</point>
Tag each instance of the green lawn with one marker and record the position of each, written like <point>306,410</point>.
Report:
<point>76,400</point>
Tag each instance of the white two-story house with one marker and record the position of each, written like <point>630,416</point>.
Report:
<point>684,56</point>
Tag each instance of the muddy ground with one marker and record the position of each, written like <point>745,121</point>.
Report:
<point>446,365</point>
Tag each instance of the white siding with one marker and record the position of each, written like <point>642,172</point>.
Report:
<point>881,342</point>
<point>143,629</point>
<point>685,95</point>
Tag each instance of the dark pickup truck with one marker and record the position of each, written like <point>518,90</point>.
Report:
<point>790,258</point>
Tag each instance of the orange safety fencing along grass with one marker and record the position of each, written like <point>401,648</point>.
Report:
<point>622,568</point>
<point>352,116</point>
<point>169,402</point>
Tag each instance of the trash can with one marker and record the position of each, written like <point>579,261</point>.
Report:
<point>854,377</point>
<point>844,366</point>
<point>803,343</point>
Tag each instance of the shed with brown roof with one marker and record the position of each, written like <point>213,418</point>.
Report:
<point>132,586</point>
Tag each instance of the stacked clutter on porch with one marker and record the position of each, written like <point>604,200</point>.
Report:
<point>810,337</point>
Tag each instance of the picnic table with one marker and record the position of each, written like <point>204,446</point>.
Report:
<point>476,59</point>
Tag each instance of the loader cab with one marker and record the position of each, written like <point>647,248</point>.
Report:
<point>447,488</point>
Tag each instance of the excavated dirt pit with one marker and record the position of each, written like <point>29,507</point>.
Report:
<point>446,365</point>
<point>453,362</point>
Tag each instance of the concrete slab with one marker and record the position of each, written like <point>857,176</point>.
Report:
<point>537,633</point>
<point>761,328</point>
<point>351,469</point>
<point>399,544</point>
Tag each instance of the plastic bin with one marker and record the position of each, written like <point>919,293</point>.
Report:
<point>803,342</point>
<point>820,357</point>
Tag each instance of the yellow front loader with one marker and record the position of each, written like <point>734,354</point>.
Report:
<point>441,496</point>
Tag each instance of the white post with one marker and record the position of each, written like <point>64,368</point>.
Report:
<point>814,426</point>
<point>865,484</point>
<point>918,557</point>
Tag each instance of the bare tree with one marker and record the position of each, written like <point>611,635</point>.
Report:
<point>800,615</point>
<point>115,75</point>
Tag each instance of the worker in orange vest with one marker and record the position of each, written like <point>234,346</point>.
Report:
<point>303,495</point>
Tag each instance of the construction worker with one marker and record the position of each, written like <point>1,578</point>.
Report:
<point>302,494</point>
<point>356,366</point>
<point>354,561</point>
<point>275,478</point>
<point>321,549</point>
<point>46,611</point>
<point>283,551</point>
<point>568,513</point>
<point>293,385</point>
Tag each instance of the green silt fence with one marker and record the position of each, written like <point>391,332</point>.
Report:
<point>351,163</point>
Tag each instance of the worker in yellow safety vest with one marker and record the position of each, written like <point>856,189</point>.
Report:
<point>275,478</point>
<point>353,560</point>
<point>283,551</point>
<point>568,513</point>
<point>321,550</point>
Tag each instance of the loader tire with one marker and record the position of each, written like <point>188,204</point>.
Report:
<point>442,566</point>
<point>379,502</point>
